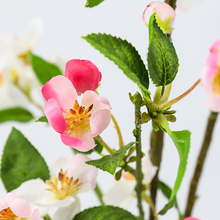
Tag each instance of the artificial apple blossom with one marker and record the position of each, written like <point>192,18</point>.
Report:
<point>15,63</point>
<point>191,218</point>
<point>211,77</point>
<point>123,193</point>
<point>83,74</point>
<point>77,124</point>
<point>165,15</point>
<point>70,176</point>
<point>16,208</point>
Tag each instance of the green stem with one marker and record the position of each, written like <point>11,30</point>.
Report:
<point>156,149</point>
<point>103,143</point>
<point>172,3</point>
<point>200,163</point>
<point>120,139</point>
<point>173,101</point>
<point>139,174</point>
<point>99,194</point>
<point>47,217</point>
<point>151,204</point>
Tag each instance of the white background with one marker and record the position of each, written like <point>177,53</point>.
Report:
<point>64,24</point>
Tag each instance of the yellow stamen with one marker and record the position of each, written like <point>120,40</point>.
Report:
<point>25,58</point>
<point>7,214</point>
<point>216,83</point>
<point>63,186</point>
<point>14,76</point>
<point>77,119</point>
<point>1,79</point>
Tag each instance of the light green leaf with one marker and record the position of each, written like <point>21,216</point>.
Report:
<point>181,140</point>
<point>43,69</point>
<point>110,163</point>
<point>166,190</point>
<point>105,213</point>
<point>15,114</point>
<point>21,162</point>
<point>162,58</point>
<point>42,119</point>
<point>123,54</point>
<point>92,3</point>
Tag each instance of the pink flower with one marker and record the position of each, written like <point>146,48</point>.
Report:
<point>191,218</point>
<point>76,124</point>
<point>211,77</point>
<point>15,208</point>
<point>165,15</point>
<point>83,74</point>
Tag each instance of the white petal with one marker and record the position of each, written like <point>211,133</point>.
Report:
<point>188,5</point>
<point>148,169</point>
<point>122,194</point>
<point>68,212</point>
<point>32,191</point>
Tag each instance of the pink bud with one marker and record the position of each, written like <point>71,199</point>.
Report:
<point>165,15</point>
<point>83,74</point>
<point>191,218</point>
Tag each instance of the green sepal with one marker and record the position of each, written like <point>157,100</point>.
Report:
<point>42,119</point>
<point>162,59</point>
<point>21,162</point>
<point>110,163</point>
<point>15,114</point>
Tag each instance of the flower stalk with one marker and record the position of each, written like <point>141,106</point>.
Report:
<point>99,194</point>
<point>200,163</point>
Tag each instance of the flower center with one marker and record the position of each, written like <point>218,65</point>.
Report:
<point>8,214</point>
<point>14,76</point>
<point>128,176</point>
<point>63,186</point>
<point>77,119</point>
<point>216,83</point>
<point>25,57</point>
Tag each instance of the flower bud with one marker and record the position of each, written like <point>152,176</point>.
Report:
<point>165,15</point>
<point>211,77</point>
<point>83,74</point>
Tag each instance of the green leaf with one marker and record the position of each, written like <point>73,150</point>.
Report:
<point>166,190</point>
<point>123,54</point>
<point>92,3</point>
<point>42,119</point>
<point>15,114</point>
<point>181,140</point>
<point>21,162</point>
<point>105,213</point>
<point>162,58</point>
<point>43,70</point>
<point>110,163</point>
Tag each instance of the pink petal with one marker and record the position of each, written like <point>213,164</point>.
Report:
<point>3,204</point>
<point>35,215</point>
<point>162,9</point>
<point>100,121</point>
<point>213,102</point>
<point>61,89</point>
<point>84,143</point>
<point>215,46</point>
<point>191,218</point>
<point>83,74</point>
<point>99,102</point>
<point>55,116</point>
<point>20,208</point>
<point>85,173</point>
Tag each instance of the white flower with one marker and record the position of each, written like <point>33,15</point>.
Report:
<point>123,193</point>
<point>188,5</point>
<point>69,176</point>
<point>15,64</point>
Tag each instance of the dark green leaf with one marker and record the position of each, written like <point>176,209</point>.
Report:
<point>44,70</point>
<point>42,119</point>
<point>166,190</point>
<point>124,55</point>
<point>162,58</point>
<point>92,3</point>
<point>105,213</point>
<point>110,163</point>
<point>15,114</point>
<point>21,162</point>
